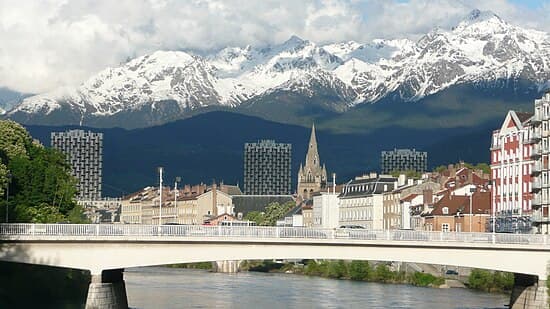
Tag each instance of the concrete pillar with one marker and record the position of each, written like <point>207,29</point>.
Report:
<point>107,291</point>
<point>226,266</point>
<point>529,293</point>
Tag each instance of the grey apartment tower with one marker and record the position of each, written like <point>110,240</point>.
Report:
<point>267,168</point>
<point>403,160</point>
<point>84,152</point>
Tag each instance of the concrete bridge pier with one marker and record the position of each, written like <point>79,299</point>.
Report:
<point>226,266</point>
<point>107,290</point>
<point>529,293</point>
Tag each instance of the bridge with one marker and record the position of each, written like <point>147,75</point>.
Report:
<point>105,250</point>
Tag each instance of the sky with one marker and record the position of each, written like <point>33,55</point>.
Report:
<point>45,44</point>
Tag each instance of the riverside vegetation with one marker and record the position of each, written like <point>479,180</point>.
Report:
<point>41,190</point>
<point>482,280</point>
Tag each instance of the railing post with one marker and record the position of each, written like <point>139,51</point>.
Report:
<point>32,230</point>
<point>545,239</point>
<point>493,237</point>
<point>97,230</point>
<point>277,234</point>
<point>441,236</point>
<point>388,235</point>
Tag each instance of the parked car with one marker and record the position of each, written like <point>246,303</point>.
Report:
<point>451,272</point>
<point>351,226</point>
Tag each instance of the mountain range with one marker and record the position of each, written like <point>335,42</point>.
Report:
<point>465,76</point>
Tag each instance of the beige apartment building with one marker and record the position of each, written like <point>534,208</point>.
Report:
<point>186,206</point>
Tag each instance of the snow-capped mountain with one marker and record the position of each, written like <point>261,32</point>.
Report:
<point>479,50</point>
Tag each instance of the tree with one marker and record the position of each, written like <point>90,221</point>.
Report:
<point>41,189</point>
<point>3,178</point>
<point>14,139</point>
<point>255,216</point>
<point>273,212</point>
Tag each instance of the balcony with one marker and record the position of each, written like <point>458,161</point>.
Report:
<point>536,151</point>
<point>537,168</point>
<point>538,217</point>
<point>536,119</point>
<point>537,200</point>
<point>537,184</point>
<point>534,137</point>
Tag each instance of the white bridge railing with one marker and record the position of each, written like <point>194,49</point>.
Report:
<point>91,231</point>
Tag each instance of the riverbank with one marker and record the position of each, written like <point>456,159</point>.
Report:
<point>480,280</point>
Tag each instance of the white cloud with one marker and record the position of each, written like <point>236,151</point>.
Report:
<point>46,44</point>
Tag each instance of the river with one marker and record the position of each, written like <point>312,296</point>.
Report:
<point>157,287</point>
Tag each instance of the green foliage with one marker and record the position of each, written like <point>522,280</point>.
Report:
<point>14,139</point>
<point>273,212</point>
<point>484,167</point>
<point>41,189</point>
<point>337,269</point>
<point>359,270</point>
<point>255,216</point>
<point>44,213</point>
<point>77,216</point>
<point>490,281</point>
<point>314,268</point>
<point>382,274</point>
<point>198,265</point>
<point>3,178</point>
<point>424,279</point>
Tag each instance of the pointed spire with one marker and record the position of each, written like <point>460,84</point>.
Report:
<point>312,156</point>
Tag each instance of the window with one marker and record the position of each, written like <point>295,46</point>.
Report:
<point>445,227</point>
<point>445,210</point>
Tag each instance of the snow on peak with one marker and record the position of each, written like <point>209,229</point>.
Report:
<point>482,47</point>
<point>482,22</point>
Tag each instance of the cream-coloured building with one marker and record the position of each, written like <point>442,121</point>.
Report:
<point>182,207</point>
<point>395,215</point>
<point>361,201</point>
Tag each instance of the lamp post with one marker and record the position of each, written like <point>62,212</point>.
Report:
<point>178,179</point>
<point>160,198</point>
<point>472,190</point>
<point>8,196</point>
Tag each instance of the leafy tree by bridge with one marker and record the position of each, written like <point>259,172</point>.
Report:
<point>41,187</point>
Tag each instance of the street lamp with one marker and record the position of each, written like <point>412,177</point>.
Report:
<point>178,179</point>
<point>7,195</point>
<point>472,190</point>
<point>160,189</point>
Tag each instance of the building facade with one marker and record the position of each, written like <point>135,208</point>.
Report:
<point>361,201</point>
<point>84,153</point>
<point>514,149</point>
<point>459,213</point>
<point>311,176</point>
<point>267,168</point>
<point>403,160</point>
<point>199,206</point>
<point>541,168</point>
<point>396,202</point>
<point>326,212</point>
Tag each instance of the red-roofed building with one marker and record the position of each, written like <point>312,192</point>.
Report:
<point>459,213</point>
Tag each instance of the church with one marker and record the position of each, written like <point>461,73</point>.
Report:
<point>311,176</point>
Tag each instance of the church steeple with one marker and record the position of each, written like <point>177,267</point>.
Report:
<point>312,176</point>
<point>312,157</point>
